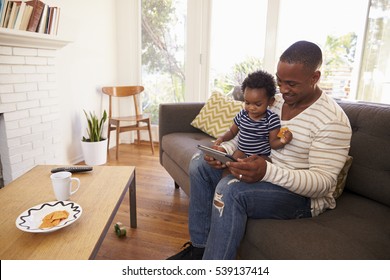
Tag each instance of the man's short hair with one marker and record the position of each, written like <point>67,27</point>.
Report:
<point>260,79</point>
<point>303,52</point>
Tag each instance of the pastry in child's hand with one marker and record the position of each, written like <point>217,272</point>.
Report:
<point>282,131</point>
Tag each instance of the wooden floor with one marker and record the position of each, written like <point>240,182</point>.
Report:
<point>161,210</point>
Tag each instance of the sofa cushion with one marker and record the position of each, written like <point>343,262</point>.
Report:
<point>357,228</point>
<point>178,149</point>
<point>216,116</point>
<point>342,178</point>
<point>369,174</point>
<point>182,146</point>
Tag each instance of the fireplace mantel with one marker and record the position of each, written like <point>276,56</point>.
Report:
<point>19,38</point>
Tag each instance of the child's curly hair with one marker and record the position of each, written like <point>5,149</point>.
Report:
<point>260,79</point>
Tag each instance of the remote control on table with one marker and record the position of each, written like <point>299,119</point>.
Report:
<point>72,169</point>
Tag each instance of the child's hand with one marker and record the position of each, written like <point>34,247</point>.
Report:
<point>219,148</point>
<point>218,141</point>
<point>287,137</point>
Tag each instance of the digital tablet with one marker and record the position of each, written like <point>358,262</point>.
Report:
<point>218,155</point>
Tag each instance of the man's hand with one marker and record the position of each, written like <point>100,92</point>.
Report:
<point>251,169</point>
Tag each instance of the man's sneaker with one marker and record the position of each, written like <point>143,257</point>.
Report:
<point>189,253</point>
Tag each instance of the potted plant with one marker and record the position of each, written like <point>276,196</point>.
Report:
<point>95,146</point>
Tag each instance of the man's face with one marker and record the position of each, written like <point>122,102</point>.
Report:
<point>295,82</point>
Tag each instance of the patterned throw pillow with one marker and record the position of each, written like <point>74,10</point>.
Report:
<point>216,116</point>
<point>342,178</point>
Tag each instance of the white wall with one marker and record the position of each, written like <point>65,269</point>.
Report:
<point>84,66</point>
<point>128,28</point>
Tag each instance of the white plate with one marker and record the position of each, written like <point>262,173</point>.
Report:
<point>31,219</point>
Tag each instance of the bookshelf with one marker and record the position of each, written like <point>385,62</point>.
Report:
<point>20,38</point>
<point>32,15</point>
<point>30,23</point>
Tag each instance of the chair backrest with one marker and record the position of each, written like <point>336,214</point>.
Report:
<point>123,91</point>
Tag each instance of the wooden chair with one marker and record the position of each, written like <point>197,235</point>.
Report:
<point>114,123</point>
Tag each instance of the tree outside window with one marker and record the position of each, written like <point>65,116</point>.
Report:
<point>163,35</point>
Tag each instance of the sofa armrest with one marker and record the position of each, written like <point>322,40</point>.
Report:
<point>177,117</point>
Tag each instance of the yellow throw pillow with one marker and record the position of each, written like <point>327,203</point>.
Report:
<point>216,116</point>
<point>342,178</point>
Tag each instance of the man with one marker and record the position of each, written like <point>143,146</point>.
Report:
<point>300,181</point>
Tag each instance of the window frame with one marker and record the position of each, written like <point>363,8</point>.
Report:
<point>198,47</point>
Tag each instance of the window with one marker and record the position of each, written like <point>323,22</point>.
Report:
<point>163,45</point>
<point>375,71</point>
<point>237,41</point>
<point>239,36</point>
<point>242,36</point>
<point>336,26</point>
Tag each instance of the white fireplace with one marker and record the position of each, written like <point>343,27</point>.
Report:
<point>29,103</point>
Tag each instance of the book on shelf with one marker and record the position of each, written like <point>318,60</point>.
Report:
<point>3,9</point>
<point>33,16</point>
<point>10,13</point>
<point>26,17</point>
<point>6,14</point>
<point>53,20</point>
<point>19,17</point>
<point>36,14</point>
<point>57,21</point>
<point>43,20</point>
<point>50,19</point>
<point>13,14</point>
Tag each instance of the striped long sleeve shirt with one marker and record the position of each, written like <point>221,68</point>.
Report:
<point>310,163</point>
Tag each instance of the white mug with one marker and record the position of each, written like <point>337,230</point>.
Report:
<point>62,184</point>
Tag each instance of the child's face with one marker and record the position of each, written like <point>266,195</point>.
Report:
<point>256,102</point>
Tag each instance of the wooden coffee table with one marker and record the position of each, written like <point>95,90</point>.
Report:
<point>100,195</point>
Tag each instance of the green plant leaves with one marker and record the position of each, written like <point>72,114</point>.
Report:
<point>95,126</point>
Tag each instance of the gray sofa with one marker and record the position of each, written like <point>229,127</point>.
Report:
<point>359,227</point>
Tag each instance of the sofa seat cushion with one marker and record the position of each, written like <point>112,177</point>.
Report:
<point>182,146</point>
<point>358,228</point>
